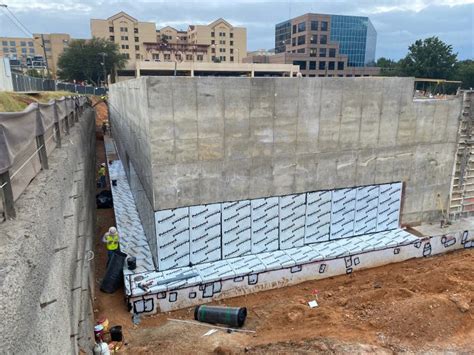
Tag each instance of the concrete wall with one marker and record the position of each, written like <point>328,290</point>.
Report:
<point>45,274</point>
<point>225,139</point>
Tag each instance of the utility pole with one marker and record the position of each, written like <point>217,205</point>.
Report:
<point>45,56</point>
<point>103,54</point>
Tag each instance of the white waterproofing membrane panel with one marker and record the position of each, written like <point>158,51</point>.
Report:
<point>388,214</point>
<point>214,271</point>
<point>172,232</point>
<point>318,216</point>
<point>205,233</point>
<point>132,236</point>
<point>342,213</point>
<point>246,265</point>
<point>292,220</point>
<point>264,225</point>
<point>236,229</point>
<point>276,260</point>
<point>367,200</point>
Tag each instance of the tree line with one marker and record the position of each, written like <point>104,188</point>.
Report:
<point>430,58</point>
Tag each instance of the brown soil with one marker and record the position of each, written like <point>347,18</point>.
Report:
<point>418,305</point>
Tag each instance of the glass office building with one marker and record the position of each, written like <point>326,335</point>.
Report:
<point>282,36</point>
<point>356,37</point>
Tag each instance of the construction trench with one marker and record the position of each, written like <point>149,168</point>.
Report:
<point>350,174</point>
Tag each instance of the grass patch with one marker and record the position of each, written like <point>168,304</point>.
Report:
<point>15,102</point>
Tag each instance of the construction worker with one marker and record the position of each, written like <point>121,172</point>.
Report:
<point>102,181</point>
<point>112,242</point>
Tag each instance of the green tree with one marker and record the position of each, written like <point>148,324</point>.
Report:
<point>429,58</point>
<point>82,60</point>
<point>464,71</point>
<point>388,67</point>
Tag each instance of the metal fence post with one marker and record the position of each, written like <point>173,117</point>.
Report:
<point>40,144</point>
<point>66,119</point>
<point>56,125</point>
<point>7,195</point>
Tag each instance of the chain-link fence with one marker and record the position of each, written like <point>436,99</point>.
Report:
<point>27,83</point>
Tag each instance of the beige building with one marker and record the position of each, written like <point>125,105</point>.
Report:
<point>29,52</point>
<point>218,41</point>
<point>127,32</point>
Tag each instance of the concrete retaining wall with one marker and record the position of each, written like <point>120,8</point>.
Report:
<point>204,140</point>
<point>46,278</point>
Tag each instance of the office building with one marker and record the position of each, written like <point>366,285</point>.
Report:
<point>327,45</point>
<point>28,53</point>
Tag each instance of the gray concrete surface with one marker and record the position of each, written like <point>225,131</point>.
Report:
<point>45,277</point>
<point>202,140</point>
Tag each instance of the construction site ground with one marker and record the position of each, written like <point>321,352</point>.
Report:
<point>418,305</point>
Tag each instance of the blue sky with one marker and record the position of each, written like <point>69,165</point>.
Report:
<point>398,23</point>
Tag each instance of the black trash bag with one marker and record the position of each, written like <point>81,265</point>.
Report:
<point>114,275</point>
<point>104,199</point>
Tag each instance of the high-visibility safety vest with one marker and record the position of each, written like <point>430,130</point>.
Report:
<point>102,171</point>
<point>112,241</point>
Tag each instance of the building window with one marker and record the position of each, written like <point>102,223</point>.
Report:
<point>222,41</point>
<point>32,50</point>
<point>340,65</point>
<point>331,66</point>
<point>332,52</point>
<point>222,34</point>
<point>5,43</point>
<point>314,25</point>
<point>324,25</point>
<point>301,63</point>
<point>124,38</point>
<point>12,43</point>
<point>123,29</point>
<point>137,56</point>
<point>137,48</point>
<point>213,42</point>
<point>213,50</point>
<point>213,58</point>
<point>111,29</point>
<point>124,46</point>
<point>23,44</point>
<point>156,56</point>
<point>302,27</point>
<point>231,35</point>
<point>200,57</point>
<point>30,44</point>
<point>300,50</point>
<point>323,39</point>
<point>313,39</point>
<point>301,39</point>
<point>5,50</point>
<point>23,50</point>
<point>222,50</point>
<point>222,58</point>
<point>112,38</point>
<point>135,30</point>
<point>167,56</point>
<point>312,52</point>
<point>231,43</point>
<point>136,39</point>
<point>213,34</point>
<point>294,28</point>
<point>312,65</point>
<point>322,65</point>
<point>322,52</point>
<point>231,50</point>
<point>127,56</point>
<point>293,41</point>
<point>177,56</point>
<point>189,57</point>
<point>231,59</point>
